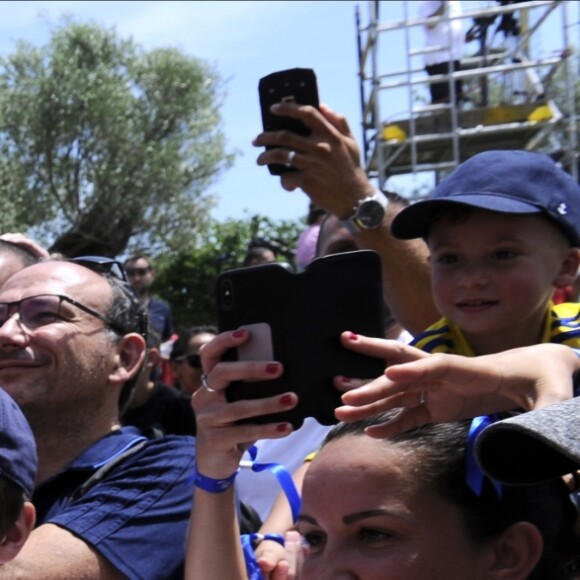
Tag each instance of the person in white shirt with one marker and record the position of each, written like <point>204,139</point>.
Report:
<point>447,34</point>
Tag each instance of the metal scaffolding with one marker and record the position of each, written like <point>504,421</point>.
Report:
<point>509,102</point>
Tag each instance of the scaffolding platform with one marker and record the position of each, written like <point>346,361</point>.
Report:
<point>511,102</point>
<point>520,126</point>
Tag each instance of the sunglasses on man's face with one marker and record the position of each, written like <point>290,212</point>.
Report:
<point>132,272</point>
<point>193,360</point>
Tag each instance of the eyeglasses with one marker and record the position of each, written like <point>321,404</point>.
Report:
<point>43,309</point>
<point>131,272</point>
<point>193,360</point>
<point>102,265</point>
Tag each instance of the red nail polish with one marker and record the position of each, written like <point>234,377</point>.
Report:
<point>282,427</point>
<point>272,368</point>
<point>239,333</point>
<point>285,400</point>
<point>353,336</point>
<point>345,380</point>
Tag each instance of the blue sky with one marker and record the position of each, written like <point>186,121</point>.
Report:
<point>244,40</point>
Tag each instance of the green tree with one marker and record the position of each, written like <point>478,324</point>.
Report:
<point>102,142</point>
<point>187,277</point>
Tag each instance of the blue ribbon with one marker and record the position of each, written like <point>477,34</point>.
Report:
<point>474,475</point>
<point>284,479</point>
<point>253,570</point>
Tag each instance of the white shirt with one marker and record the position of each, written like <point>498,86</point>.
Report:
<point>261,489</point>
<point>441,35</point>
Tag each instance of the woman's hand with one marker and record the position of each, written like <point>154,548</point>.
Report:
<point>221,440</point>
<point>446,387</point>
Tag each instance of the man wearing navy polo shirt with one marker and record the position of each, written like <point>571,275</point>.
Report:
<point>111,502</point>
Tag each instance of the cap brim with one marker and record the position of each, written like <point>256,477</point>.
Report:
<point>532,447</point>
<point>414,221</point>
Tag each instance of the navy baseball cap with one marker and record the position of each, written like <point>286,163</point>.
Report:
<point>17,446</point>
<point>532,447</point>
<point>516,182</point>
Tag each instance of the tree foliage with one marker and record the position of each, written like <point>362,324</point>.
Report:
<point>102,142</point>
<point>186,278</point>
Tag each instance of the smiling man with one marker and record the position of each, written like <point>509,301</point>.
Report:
<point>111,503</point>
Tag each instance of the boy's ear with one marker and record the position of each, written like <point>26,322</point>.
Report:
<point>516,552</point>
<point>18,533</point>
<point>569,269</point>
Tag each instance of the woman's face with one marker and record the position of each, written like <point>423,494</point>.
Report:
<point>366,516</point>
<point>188,371</point>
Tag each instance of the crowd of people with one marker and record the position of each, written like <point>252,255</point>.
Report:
<point>459,460</point>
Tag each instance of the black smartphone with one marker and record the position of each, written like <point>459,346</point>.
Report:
<point>295,85</point>
<point>297,319</point>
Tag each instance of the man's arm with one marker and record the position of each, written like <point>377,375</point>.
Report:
<point>53,553</point>
<point>329,171</point>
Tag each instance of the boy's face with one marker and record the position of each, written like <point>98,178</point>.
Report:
<point>493,275</point>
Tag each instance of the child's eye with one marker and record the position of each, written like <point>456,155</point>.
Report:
<point>504,254</point>
<point>447,259</point>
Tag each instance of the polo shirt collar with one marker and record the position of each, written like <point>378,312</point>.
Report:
<point>107,448</point>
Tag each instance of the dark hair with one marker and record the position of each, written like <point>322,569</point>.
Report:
<point>26,257</point>
<point>328,226</point>
<point>396,199</point>
<point>126,311</point>
<point>179,347</point>
<point>12,499</point>
<point>453,212</point>
<point>136,257</point>
<point>439,452</point>
<point>314,214</point>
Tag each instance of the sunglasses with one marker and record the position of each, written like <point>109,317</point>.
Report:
<point>43,309</point>
<point>193,360</point>
<point>102,265</point>
<point>131,272</point>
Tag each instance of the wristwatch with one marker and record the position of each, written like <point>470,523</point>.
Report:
<point>368,213</point>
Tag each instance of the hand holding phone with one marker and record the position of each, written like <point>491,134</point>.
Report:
<point>297,85</point>
<point>297,319</point>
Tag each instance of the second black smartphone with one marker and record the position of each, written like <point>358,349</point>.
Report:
<point>296,85</point>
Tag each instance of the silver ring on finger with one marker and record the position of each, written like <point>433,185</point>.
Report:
<point>290,158</point>
<point>205,384</point>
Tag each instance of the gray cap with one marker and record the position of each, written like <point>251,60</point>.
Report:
<point>532,447</point>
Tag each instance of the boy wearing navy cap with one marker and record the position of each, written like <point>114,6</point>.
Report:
<point>503,231</point>
<point>18,466</point>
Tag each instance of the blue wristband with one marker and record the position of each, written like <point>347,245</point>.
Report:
<point>256,538</point>
<point>214,485</point>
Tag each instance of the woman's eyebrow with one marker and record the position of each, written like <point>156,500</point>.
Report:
<point>352,518</point>
<point>306,518</point>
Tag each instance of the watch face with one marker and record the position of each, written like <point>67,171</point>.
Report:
<point>370,214</point>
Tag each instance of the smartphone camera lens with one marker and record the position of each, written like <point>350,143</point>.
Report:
<point>227,293</point>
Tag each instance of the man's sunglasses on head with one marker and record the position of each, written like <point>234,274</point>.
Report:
<point>102,265</point>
